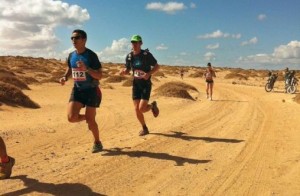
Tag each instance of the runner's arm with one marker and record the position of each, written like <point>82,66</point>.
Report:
<point>97,74</point>
<point>125,71</point>
<point>214,74</point>
<point>154,69</point>
<point>68,73</point>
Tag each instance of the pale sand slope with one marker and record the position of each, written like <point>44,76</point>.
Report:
<point>246,142</point>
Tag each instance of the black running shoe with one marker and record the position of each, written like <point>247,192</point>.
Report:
<point>155,109</point>
<point>143,132</point>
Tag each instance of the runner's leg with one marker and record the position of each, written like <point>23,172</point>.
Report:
<point>73,112</point>
<point>211,89</point>
<point>138,112</point>
<point>207,87</point>
<point>90,115</point>
<point>144,106</point>
<point>3,153</point>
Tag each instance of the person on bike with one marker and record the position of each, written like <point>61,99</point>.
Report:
<point>273,77</point>
<point>143,65</point>
<point>287,74</point>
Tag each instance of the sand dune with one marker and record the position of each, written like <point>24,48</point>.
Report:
<point>245,142</point>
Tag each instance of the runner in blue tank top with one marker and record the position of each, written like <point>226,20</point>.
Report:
<point>85,69</point>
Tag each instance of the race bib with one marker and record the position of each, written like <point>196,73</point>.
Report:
<point>138,74</point>
<point>78,74</point>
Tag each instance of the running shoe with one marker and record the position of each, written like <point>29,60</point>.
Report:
<point>155,109</point>
<point>97,147</point>
<point>143,132</point>
<point>6,168</point>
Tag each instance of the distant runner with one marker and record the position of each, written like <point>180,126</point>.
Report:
<point>143,65</point>
<point>181,73</point>
<point>6,163</point>
<point>85,68</point>
<point>209,74</point>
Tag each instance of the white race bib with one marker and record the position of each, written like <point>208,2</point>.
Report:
<point>78,74</point>
<point>138,74</point>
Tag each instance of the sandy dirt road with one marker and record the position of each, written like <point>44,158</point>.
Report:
<point>245,142</point>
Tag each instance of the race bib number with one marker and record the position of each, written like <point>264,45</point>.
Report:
<point>78,74</point>
<point>138,74</point>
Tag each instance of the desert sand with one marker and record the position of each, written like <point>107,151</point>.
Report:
<point>244,142</point>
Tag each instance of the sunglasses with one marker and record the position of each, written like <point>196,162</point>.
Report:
<point>75,37</point>
<point>134,42</point>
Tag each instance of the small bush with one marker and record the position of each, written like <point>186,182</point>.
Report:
<point>159,74</point>
<point>10,79</point>
<point>115,79</point>
<point>197,74</point>
<point>128,82</point>
<point>11,95</point>
<point>297,98</point>
<point>176,89</point>
<point>234,75</point>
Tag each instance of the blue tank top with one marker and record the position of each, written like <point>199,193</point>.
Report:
<point>82,79</point>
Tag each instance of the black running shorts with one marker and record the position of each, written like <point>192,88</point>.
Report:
<point>141,91</point>
<point>209,81</point>
<point>88,97</point>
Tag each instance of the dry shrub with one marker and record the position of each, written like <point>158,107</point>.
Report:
<point>105,74</point>
<point>113,71</point>
<point>234,75</point>
<point>176,89</point>
<point>106,86</point>
<point>155,79</point>
<point>197,74</point>
<point>11,95</point>
<point>280,77</point>
<point>29,80</point>
<point>4,71</point>
<point>10,79</point>
<point>52,79</point>
<point>58,73</point>
<point>297,98</point>
<point>41,75</point>
<point>128,82</point>
<point>115,79</point>
<point>159,74</point>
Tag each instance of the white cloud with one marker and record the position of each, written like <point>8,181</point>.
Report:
<point>193,5</point>
<point>253,40</point>
<point>170,7</point>
<point>116,52</point>
<point>28,27</point>
<point>236,36</point>
<point>183,53</point>
<point>213,46</point>
<point>289,51</point>
<point>219,34</point>
<point>288,54</point>
<point>261,17</point>
<point>209,56</point>
<point>161,47</point>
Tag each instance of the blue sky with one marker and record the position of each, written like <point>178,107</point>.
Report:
<point>233,33</point>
